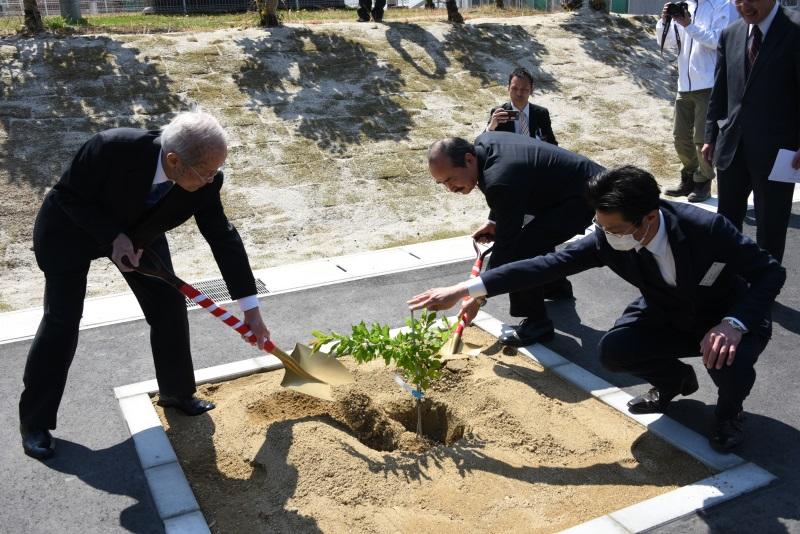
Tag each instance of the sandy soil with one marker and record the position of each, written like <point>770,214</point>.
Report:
<point>329,123</point>
<point>510,448</point>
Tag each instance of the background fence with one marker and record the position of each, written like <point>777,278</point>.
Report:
<point>93,7</point>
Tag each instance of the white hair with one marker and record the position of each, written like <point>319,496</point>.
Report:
<point>191,135</point>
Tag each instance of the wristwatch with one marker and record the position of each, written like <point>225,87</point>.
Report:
<point>736,325</point>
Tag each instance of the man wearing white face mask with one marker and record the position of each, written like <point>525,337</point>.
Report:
<point>706,291</point>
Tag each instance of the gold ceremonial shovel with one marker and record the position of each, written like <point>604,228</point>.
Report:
<point>305,371</point>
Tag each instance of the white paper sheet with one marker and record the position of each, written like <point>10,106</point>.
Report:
<point>782,170</point>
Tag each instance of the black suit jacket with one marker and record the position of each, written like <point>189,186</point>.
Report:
<point>521,175</point>
<point>102,194</point>
<point>539,123</point>
<point>745,289</point>
<point>762,110</point>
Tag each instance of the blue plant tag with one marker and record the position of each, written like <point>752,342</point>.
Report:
<point>410,389</point>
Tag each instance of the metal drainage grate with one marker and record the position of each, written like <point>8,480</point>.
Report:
<point>218,292</point>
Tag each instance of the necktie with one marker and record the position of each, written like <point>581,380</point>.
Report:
<point>157,192</point>
<point>649,267</point>
<point>523,124</point>
<point>755,46</point>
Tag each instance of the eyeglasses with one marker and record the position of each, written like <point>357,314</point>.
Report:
<point>600,227</point>
<point>208,178</point>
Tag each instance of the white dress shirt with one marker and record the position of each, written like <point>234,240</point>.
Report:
<point>764,24</point>
<point>245,303</point>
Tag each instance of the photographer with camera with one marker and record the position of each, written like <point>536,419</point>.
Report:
<point>692,29</point>
<point>518,115</point>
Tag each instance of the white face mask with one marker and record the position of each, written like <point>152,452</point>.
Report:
<point>624,242</point>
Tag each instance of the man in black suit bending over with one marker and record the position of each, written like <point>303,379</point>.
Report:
<point>706,291</point>
<point>753,112</point>
<point>535,193</point>
<point>123,190</point>
<point>520,116</point>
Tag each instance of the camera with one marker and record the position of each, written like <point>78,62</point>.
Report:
<point>677,8</point>
<point>513,114</point>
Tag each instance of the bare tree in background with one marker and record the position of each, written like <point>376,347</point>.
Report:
<point>268,13</point>
<point>33,19</point>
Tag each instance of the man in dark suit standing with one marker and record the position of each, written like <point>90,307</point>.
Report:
<point>754,111</point>
<point>706,291</point>
<point>520,116</point>
<point>535,192</point>
<point>123,190</point>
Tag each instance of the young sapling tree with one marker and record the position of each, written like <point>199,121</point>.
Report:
<point>414,351</point>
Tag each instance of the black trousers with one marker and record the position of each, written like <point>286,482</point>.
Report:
<point>56,340</point>
<point>652,352</point>
<point>538,237</point>
<point>365,8</point>
<point>772,201</point>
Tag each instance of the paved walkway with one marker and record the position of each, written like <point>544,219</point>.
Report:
<point>95,484</point>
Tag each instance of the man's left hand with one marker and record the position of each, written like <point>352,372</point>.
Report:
<point>253,319</point>
<point>719,346</point>
<point>796,160</point>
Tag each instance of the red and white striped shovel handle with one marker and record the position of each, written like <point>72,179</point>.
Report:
<point>474,273</point>
<point>153,266</point>
<point>222,314</point>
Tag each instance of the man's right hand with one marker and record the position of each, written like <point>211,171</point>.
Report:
<point>500,116</point>
<point>439,298</point>
<point>485,234</point>
<point>123,248</point>
<point>664,15</point>
<point>708,153</point>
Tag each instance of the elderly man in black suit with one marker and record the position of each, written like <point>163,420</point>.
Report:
<point>535,193</point>
<point>754,111</point>
<point>123,190</point>
<point>706,291</point>
<point>520,116</point>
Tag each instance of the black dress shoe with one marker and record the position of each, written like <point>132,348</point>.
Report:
<point>558,290</point>
<point>188,405</point>
<point>38,444</point>
<point>528,332</point>
<point>655,400</point>
<point>728,434</point>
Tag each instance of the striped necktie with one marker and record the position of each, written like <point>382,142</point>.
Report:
<point>755,46</point>
<point>524,129</point>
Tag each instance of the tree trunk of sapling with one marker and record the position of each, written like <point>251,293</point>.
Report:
<point>419,418</point>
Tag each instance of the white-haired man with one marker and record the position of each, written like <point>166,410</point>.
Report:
<point>123,190</point>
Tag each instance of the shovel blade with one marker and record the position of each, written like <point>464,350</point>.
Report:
<point>452,346</point>
<point>322,367</point>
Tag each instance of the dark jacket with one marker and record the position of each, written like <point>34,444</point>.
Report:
<point>539,123</point>
<point>102,194</point>
<point>745,288</point>
<point>762,110</point>
<point>521,175</point>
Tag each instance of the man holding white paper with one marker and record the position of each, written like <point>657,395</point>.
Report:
<point>754,111</point>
